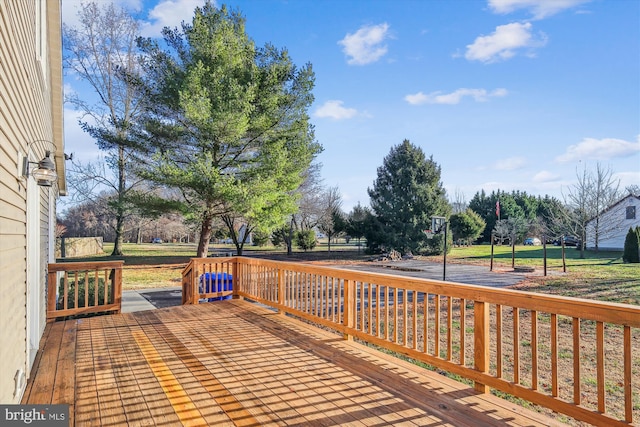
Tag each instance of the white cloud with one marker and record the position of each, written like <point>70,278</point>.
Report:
<point>628,178</point>
<point>169,13</point>
<point>366,45</point>
<point>503,44</point>
<point>599,149</point>
<point>510,163</point>
<point>479,95</point>
<point>545,176</point>
<point>68,90</point>
<point>539,8</point>
<point>70,9</point>
<point>333,109</point>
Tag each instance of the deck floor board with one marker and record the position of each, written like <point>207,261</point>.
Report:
<point>235,363</point>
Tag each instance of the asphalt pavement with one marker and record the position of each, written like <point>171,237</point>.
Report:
<point>460,273</point>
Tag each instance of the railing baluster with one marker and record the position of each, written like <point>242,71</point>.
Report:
<point>449,328</point>
<point>554,355</point>
<point>75,289</point>
<point>577,398</point>
<point>481,342</point>
<point>534,349</point>
<point>65,305</point>
<point>361,306</point>
<point>96,284</point>
<point>436,325</point>
<point>628,396</point>
<point>349,306</point>
<point>600,365</point>
<point>405,316</point>
<point>379,303</point>
<point>425,345</point>
<point>499,341</point>
<point>414,328</point>
<point>370,311</point>
<point>86,288</point>
<point>463,317</point>
<point>395,315</point>
<point>516,345</point>
<point>319,294</point>
<point>386,315</point>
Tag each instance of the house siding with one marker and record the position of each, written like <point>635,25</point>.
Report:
<point>30,111</point>
<point>613,225</point>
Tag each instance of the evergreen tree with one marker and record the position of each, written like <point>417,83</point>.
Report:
<point>356,222</point>
<point>632,246</point>
<point>229,124</point>
<point>405,195</point>
<point>466,226</point>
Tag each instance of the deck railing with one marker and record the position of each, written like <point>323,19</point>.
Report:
<point>207,278</point>
<point>549,350</point>
<point>75,288</point>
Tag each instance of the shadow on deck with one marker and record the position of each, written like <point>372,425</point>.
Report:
<point>236,363</point>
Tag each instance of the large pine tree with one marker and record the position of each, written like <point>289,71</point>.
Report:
<point>405,195</point>
<point>229,124</point>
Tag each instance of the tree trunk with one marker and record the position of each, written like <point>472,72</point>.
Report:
<point>117,247</point>
<point>290,239</point>
<point>139,238</point>
<point>205,236</point>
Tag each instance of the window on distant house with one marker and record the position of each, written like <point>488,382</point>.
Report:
<point>631,212</point>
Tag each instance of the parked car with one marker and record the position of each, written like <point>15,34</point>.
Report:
<point>532,241</point>
<point>568,241</point>
<point>156,240</point>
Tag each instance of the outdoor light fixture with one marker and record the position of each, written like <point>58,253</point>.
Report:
<point>45,173</point>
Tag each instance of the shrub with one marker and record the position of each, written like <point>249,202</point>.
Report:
<point>632,246</point>
<point>306,239</point>
<point>260,238</point>
<point>91,288</point>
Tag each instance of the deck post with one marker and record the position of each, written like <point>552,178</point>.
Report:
<point>349,304</point>
<point>235,270</point>
<point>195,293</point>
<point>281,299</point>
<point>481,340</point>
<point>52,279</point>
<point>117,288</point>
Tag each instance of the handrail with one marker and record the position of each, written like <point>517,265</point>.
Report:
<point>78,288</point>
<point>480,333</point>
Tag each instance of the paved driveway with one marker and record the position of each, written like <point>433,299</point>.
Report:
<point>462,273</point>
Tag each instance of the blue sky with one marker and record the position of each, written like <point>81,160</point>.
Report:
<point>504,94</point>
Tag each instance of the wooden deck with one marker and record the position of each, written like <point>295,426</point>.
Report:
<point>235,363</point>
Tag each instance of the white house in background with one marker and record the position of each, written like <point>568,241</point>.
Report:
<point>31,138</point>
<point>614,223</point>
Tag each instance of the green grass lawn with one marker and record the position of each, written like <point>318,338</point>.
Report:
<point>600,275</point>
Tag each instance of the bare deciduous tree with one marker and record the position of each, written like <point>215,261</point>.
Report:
<point>587,199</point>
<point>101,50</point>
<point>459,203</point>
<point>331,213</point>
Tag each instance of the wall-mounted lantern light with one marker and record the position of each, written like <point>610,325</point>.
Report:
<point>45,173</point>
